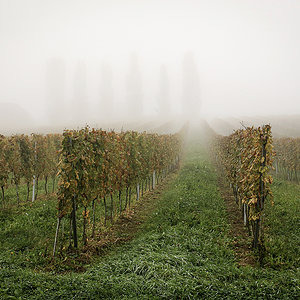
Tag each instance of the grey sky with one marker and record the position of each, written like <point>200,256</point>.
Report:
<point>247,51</point>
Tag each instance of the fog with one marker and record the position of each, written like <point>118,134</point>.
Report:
<point>66,63</point>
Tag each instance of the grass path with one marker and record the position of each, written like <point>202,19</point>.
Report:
<point>183,252</point>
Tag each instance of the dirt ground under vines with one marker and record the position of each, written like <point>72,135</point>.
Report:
<point>124,229</point>
<point>241,239</point>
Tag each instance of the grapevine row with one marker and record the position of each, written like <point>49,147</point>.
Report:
<point>247,157</point>
<point>27,159</point>
<point>96,165</point>
<point>287,161</point>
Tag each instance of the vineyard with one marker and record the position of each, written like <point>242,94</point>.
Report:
<point>94,180</point>
<point>27,160</point>
<point>96,165</point>
<point>247,158</point>
<point>287,161</point>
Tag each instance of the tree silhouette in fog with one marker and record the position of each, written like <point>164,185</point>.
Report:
<point>55,90</point>
<point>163,92</point>
<point>191,102</point>
<point>134,89</point>
<point>79,103</point>
<point>106,104</point>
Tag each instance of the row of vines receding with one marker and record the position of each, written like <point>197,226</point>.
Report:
<point>25,160</point>
<point>246,156</point>
<point>287,160</point>
<point>101,168</point>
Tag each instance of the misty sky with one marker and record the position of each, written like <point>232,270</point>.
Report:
<point>247,51</point>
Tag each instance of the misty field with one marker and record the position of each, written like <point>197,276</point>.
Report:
<point>171,239</point>
<point>149,149</point>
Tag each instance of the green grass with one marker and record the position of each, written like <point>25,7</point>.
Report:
<point>183,251</point>
<point>283,226</point>
<point>10,197</point>
<point>28,231</point>
<point>25,234</point>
